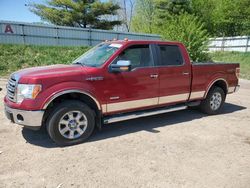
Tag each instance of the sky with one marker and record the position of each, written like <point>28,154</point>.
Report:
<point>15,10</point>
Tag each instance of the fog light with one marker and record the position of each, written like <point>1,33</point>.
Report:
<point>19,117</point>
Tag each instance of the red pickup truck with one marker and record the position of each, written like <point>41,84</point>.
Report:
<point>115,81</point>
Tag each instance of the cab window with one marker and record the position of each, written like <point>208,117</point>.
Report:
<point>170,55</point>
<point>139,55</point>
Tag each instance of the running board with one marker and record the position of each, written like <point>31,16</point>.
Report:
<point>128,116</point>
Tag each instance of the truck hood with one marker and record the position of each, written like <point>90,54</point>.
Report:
<point>55,73</point>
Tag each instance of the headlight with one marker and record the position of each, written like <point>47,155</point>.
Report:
<point>27,91</point>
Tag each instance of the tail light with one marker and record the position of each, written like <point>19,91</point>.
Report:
<point>237,72</point>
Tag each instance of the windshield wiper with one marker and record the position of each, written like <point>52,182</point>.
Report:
<point>79,63</point>
<point>84,64</point>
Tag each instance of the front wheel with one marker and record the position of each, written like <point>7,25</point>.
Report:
<point>214,101</point>
<point>71,122</point>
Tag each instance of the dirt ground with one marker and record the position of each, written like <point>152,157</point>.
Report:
<point>179,149</point>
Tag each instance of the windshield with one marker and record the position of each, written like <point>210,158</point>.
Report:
<point>98,55</point>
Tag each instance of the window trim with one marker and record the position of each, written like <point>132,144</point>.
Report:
<point>159,59</point>
<point>152,54</point>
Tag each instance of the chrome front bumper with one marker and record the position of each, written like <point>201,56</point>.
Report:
<point>29,119</point>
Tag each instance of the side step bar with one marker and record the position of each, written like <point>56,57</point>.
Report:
<point>127,116</point>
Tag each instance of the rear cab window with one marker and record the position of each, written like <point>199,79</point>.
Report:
<point>170,55</point>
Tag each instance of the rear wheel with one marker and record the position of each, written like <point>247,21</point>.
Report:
<point>214,101</point>
<point>71,122</point>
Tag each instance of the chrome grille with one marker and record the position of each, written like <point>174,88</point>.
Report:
<point>11,89</point>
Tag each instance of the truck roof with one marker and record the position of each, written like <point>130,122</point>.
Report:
<point>127,41</point>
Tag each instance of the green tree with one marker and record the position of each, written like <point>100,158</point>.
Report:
<point>244,14</point>
<point>77,13</point>
<point>204,10</point>
<point>178,7</point>
<point>144,17</point>
<point>189,30</point>
<point>224,17</point>
<point>160,17</point>
<point>232,18</point>
<point>165,9</point>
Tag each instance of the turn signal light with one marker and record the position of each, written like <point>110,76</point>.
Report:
<point>124,68</point>
<point>37,89</point>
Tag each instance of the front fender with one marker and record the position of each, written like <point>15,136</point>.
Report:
<point>67,87</point>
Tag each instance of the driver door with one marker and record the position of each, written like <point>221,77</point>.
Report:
<point>135,89</point>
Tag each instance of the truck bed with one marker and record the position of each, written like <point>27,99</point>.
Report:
<point>204,73</point>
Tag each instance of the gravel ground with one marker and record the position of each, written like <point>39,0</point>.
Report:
<point>179,149</point>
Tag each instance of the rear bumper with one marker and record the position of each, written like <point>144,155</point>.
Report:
<point>29,119</point>
<point>233,89</point>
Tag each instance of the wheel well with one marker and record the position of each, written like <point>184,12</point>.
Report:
<point>73,96</point>
<point>222,84</point>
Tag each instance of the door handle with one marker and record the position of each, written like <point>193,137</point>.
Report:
<point>185,73</point>
<point>154,76</point>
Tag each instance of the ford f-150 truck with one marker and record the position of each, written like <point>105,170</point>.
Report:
<point>115,81</point>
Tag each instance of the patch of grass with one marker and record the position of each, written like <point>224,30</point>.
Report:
<point>235,57</point>
<point>15,57</point>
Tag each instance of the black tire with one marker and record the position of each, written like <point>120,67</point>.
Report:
<point>206,106</point>
<point>53,126</point>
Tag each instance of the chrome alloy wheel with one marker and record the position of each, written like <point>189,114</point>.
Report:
<point>73,124</point>
<point>215,101</point>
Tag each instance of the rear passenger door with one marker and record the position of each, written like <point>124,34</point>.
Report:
<point>174,74</point>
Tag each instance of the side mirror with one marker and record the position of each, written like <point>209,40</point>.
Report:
<point>121,66</point>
